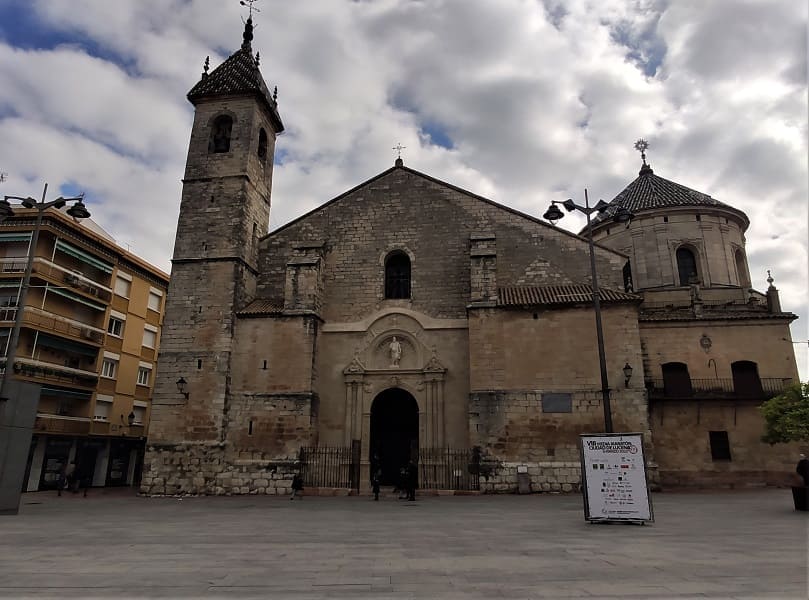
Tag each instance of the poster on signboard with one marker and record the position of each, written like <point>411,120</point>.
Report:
<point>614,483</point>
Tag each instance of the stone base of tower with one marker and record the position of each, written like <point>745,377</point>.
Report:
<point>214,469</point>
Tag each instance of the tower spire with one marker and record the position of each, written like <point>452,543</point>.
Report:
<point>248,25</point>
<point>641,145</point>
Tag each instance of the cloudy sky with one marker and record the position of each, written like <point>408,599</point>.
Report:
<point>522,101</point>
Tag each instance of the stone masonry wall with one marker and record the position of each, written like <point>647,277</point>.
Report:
<point>265,434</point>
<point>206,469</point>
<point>434,223</point>
<point>513,430</point>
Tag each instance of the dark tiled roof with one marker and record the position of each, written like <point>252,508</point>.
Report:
<point>558,294</point>
<point>261,307</point>
<point>711,315</point>
<point>650,191</point>
<point>238,75</point>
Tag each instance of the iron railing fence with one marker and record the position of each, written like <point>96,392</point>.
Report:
<point>439,468</point>
<point>330,466</point>
<point>717,388</point>
<point>449,469</point>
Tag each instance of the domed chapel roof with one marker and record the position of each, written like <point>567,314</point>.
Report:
<point>651,192</point>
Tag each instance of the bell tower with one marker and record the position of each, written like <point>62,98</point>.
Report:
<point>224,211</point>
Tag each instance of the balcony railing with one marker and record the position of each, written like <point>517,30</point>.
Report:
<point>62,424</point>
<point>52,373</point>
<point>48,321</point>
<point>703,389</point>
<point>63,275</point>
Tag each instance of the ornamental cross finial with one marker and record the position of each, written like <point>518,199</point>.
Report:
<point>399,148</point>
<point>3,176</point>
<point>641,145</point>
<point>769,278</point>
<point>206,66</point>
<point>249,4</point>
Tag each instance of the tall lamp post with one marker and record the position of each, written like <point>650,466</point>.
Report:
<point>77,211</point>
<point>10,471</point>
<point>622,215</point>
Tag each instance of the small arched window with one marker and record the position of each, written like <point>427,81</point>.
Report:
<point>262,144</point>
<point>686,266</point>
<point>220,135</point>
<point>397,275</point>
<point>628,287</point>
<point>741,269</point>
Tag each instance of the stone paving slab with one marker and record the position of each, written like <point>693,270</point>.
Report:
<point>744,545</point>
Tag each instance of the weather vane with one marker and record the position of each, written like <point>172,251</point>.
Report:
<point>249,4</point>
<point>399,148</point>
<point>641,145</point>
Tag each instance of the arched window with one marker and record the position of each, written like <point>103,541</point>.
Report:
<point>746,382</point>
<point>741,269</point>
<point>262,144</point>
<point>628,287</point>
<point>220,135</point>
<point>676,380</point>
<point>397,275</point>
<point>686,266</point>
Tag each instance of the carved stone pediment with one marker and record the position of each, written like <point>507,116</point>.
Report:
<point>434,365</point>
<point>355,367</point>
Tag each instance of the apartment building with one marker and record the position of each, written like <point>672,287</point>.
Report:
<point>90,334</point>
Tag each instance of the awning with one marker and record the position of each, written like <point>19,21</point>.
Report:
<point>52,341</point>
<point>77,298</point>
<point>17,236</point>
<point>83,256</point>
<point>54,391</point>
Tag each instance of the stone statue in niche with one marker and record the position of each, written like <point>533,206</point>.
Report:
<point>395,351</point>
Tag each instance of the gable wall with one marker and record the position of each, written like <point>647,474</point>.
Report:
<point>433,223</point>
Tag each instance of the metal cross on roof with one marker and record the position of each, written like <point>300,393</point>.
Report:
<point>249,4</point>
<point>399,148</point>
<point>641,145</point>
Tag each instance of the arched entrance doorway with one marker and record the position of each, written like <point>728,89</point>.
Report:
<point>394,432</point>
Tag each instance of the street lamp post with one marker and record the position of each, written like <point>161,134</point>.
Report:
<point>622,215</point>
<point>22,404</point>
<point>77,211</point>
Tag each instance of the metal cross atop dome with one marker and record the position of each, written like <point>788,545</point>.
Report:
<point>249,4</point>
<point>641,145</point>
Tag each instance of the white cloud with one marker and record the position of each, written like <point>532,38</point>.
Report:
<point>539,100</point>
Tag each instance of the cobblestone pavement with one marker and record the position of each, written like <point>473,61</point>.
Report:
<point>749,544</point>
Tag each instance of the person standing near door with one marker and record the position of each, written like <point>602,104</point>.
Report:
<point>412,480</point>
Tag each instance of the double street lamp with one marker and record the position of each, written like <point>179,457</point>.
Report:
<point>622,215</point>
<point>77,211</point>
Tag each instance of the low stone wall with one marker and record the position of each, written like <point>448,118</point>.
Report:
<point>558,476</point>
<point>210,469</point>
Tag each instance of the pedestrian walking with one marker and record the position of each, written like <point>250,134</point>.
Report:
<point>70,477</point>
<point>375,477</point>
<point>803,469</point>
<point>61,482</point>
<point>297,487</point>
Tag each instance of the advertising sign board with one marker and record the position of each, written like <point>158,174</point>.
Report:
<point>614,483</point>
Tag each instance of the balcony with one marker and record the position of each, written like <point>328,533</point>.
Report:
<point>73,279</point>
<point>103,427</point>
<point>48,423</point>
<point>45,372</point>
<point>36,318</point>
<point>719,389</point>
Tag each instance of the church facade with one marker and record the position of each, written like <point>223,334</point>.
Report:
<point>411,320</point>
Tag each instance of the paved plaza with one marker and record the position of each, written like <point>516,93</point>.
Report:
<point>742,544</point>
